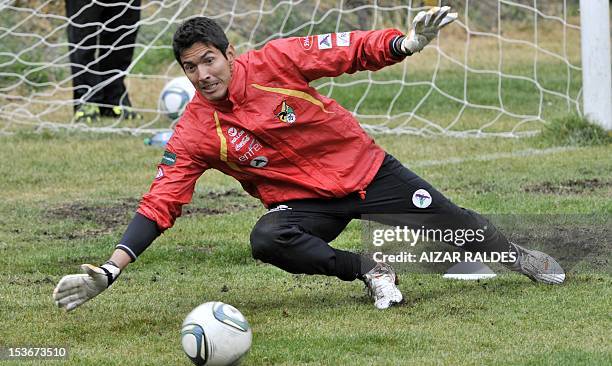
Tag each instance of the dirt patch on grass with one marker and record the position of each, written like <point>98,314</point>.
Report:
<point>23,281</point>
<point>107,217</point>
<point>220,203</point>
<point>579,242</point>
<point>233,192</point>
<point>570,186</point>
<point>116,216</point>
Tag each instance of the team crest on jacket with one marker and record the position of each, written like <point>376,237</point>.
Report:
<point>285,112</point>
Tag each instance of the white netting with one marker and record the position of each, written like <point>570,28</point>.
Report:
<point>502,69</point>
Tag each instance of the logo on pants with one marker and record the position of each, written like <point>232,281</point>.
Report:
<point>421,198</point>
<point>279,208</point>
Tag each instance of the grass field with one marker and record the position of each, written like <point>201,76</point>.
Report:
<point>68,196</point>
<point>66,199</point>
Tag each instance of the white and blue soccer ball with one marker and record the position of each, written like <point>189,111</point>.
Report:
<point>215,333</point>
<point>174,97</point>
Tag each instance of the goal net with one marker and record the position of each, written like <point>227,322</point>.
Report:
<point>503,68</point>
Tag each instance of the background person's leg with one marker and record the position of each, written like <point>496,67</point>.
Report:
<point>82,46</point>
<point>117,57</point>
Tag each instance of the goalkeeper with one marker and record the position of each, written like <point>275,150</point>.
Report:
<point>307,159</point>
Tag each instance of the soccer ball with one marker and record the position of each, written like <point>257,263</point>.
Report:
<point>215,333</point>
<point>175,96</point>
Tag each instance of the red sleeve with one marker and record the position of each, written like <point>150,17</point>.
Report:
<point>173,186</point>
<point>332,54</point>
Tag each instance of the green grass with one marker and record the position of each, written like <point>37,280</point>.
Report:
<point>66,199</point>
<point>574,130</point>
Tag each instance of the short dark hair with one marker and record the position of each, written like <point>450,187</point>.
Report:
<point>199,29</point>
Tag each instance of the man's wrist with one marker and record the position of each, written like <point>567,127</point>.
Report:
<point>111,262</point>
<point>396,47</point>
<point>112,271</point>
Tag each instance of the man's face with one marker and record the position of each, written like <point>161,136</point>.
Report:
<point>208,70</point>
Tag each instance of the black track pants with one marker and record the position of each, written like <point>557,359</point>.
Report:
<point>294,235</point>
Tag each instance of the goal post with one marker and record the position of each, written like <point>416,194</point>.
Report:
<point>596,65</point>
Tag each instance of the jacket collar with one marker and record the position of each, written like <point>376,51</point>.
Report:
<point>237,87</point>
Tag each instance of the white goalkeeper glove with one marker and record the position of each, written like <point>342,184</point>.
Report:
<point>425,27</point>
<point>74,290</point>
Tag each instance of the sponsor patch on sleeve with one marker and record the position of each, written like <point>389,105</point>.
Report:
<point>343,39</point>
<point>307,42</point>
<point>324,41</point>
<point>168,158</point>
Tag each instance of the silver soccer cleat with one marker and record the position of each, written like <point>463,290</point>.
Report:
<point>381,284</point>
<point>538,266</point>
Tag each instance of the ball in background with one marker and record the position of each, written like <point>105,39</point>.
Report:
<point>215,334</point>
<point>174,97</point>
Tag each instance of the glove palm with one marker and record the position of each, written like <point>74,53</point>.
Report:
<point>425,27</point>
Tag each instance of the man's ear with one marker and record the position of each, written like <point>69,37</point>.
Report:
<point>230,54</point>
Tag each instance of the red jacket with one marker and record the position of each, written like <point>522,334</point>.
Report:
<point>276,135</point>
